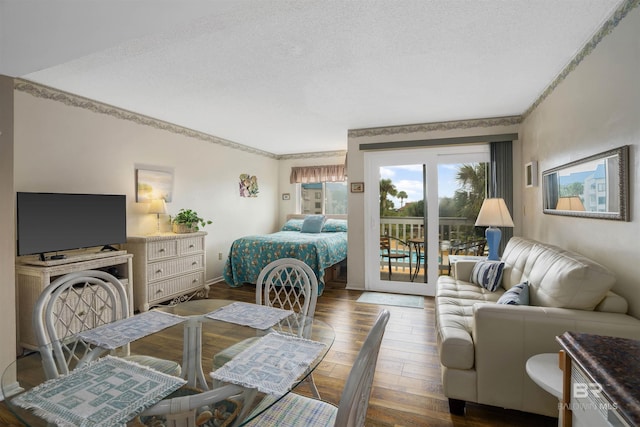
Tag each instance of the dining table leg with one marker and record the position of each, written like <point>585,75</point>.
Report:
<point>192,355</point>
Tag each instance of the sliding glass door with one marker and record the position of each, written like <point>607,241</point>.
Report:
<point>406,235</point>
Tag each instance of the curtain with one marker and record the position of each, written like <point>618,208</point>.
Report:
<point>327,173</point>
<point>501,181</point>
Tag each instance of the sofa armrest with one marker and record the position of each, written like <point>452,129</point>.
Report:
<point>462,269</point>
<point>505,336</point>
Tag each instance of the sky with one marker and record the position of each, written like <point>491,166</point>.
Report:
<point>408,178</point>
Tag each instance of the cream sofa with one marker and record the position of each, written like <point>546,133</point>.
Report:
<point>483,346</point>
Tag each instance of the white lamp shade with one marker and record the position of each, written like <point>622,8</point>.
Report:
<point>158,206</point>
<point>494,213</point>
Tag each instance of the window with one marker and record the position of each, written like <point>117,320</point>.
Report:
<point>323,198</point>
<point>321,189</point>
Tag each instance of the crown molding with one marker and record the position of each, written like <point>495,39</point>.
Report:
<point>45,92</point>
<point>606,29</point>
<point>313,155</point>
<point>436,126</point>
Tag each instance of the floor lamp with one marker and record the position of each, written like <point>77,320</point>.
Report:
<point>494,213</point>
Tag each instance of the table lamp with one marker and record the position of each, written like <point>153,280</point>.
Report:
<point>158,206</point>
<point>571,203</point>
<point>494,213</point>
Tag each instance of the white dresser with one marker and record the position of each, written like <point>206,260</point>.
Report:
<point>167,266</point>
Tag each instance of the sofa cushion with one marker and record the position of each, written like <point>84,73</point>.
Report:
<point>487,274</point>
<point>517,295</point>
<point>454,320</point>
<point>564,279</point>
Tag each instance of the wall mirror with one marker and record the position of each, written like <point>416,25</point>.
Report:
<point>594,187</point>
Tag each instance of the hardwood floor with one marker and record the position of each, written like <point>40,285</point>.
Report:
<point>406,389</point>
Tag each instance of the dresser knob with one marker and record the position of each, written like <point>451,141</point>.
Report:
<point>195,281</point>
<point>192,246</point>
<point>159,291</point>
<point>194,263</point>
<point>159,271</point>
<point>161,250</point>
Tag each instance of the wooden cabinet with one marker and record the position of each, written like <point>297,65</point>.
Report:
<point>167,266</point>
<point>32,276</point>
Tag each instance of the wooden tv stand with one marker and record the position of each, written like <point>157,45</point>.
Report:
<point>33,275</point>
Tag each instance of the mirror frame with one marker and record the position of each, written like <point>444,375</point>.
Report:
<point>623,186</point>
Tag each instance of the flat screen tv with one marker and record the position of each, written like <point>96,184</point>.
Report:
<point>53,222</point>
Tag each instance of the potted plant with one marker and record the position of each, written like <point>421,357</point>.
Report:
<point>188,221</point>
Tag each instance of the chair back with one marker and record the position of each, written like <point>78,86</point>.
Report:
<point>352,409</point>
<point>290,284</point>
<point>71,304</point>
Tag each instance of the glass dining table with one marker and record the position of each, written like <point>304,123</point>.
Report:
<point>204,328</point>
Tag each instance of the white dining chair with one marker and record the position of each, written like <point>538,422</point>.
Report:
<point>77,302</point>
<point>295,410</point>
<point>289,284</point>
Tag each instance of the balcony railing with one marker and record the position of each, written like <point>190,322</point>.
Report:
<point>453,233</point>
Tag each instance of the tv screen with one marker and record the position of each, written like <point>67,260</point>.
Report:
<point>52,222</point>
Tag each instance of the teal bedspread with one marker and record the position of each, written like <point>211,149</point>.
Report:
<point>249,255</point>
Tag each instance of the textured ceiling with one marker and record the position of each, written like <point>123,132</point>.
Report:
<point>293,76</point>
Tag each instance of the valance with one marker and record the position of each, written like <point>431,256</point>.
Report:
<point>327,173</point>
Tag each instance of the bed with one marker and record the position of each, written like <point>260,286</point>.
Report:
<point>320,250</point>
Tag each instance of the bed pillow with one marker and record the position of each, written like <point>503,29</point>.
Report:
<point>292,225</point>
<point>517,295</point>
<point>312,224</point>
<point>487,274</point>
<point>334,226</point>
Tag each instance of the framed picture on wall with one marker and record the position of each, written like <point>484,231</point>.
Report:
<point>153,183</point>
<point>531,174</point>
<point>357,187</point>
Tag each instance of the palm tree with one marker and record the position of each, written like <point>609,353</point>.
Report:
<point>386,189</point>
<point>401,195</point>
<point>472,179</point>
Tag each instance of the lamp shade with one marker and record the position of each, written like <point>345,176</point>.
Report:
<point>572,203</point>
<point>158,206</point>
<point>494,213</point>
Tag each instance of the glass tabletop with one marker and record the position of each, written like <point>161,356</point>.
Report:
<point>192,343</point>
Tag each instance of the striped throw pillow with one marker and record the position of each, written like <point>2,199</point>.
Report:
<point>487,274</point>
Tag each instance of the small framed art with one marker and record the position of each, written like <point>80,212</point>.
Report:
<point>357,187</point>
<point>286,196</point>
<point>531,174</point>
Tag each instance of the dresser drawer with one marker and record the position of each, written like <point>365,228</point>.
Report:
<point>160,291</point>
<point>162,249</point>
<point>168,268</point>
<point>191,245</point>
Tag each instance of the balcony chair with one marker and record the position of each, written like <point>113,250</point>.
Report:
<point>285,283</point>
<point>393,249</point>
<point>294,410</point>
<point>77,302</point>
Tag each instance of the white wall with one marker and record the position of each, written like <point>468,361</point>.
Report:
<point>596,108</point>
<point>62,148</point>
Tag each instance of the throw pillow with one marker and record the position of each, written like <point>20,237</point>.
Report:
<point>334,226</point>
<point>292,225</point>
<point>487,274</point>
<point>312,224</point>
<point>517,295</point>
